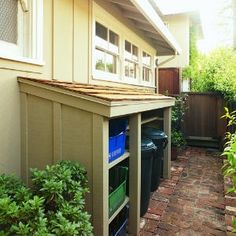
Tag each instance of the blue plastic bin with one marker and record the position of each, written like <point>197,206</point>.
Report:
<point>122,229</point>
<point>117,136</point>
<point>116,146</point>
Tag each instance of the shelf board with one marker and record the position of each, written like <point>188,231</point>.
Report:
<point>144,121</point>
<point>118,160</point>
<point>119,209</point>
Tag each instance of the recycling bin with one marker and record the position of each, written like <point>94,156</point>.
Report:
<point>159,138</point>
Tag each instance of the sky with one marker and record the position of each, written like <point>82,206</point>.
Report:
<point>216,18</point>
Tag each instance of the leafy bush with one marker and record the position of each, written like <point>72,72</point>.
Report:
<point>54,205</point>
<point>230,150</point>
<point>177,117</point>
<point>229,168</point>
<point>177,139</point>
<point>215,72</point>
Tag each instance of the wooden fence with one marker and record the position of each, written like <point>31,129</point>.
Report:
<point>202,122</point>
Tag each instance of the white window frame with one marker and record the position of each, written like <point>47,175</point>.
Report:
<point>130,59</point>
<point>149,67</point>
<point>29,48</point>
<point>105,75</point>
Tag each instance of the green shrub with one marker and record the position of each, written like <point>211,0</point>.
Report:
<point>54,205</point>
<point>177,117</point>
<point>229,168</point>
<point>177,139</point>
<point>215,72</point>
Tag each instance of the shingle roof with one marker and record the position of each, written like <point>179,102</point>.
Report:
<point>107,93</point>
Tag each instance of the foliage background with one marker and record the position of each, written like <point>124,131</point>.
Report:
<point>214,72</point>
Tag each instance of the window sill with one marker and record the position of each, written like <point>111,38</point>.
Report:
<point>26,60</point>
<point>128,82</point>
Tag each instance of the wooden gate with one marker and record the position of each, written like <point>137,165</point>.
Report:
<point>202,122</point>
<point>169,81</point>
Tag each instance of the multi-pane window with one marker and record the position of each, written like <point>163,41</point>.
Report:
<point>131,60</point>
<point>106,49</point>
<point>147,72</point>
<point>8,21</point>
<point>21,30</point>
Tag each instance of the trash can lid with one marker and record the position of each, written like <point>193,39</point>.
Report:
<point>147,144</point>
<point>153,133</point>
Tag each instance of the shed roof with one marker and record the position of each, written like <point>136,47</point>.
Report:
<point>114,98</point>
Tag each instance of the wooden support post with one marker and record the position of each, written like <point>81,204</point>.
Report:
<point>134,173</point>
<point>100,185</point>
<point>167,151</point>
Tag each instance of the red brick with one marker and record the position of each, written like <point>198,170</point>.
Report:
<point>150,226</point>
<point>229,220</point>
<point>145,233</point>
<point>195,201</point>
<point>152,216</point>
<point>167,191</point>
<point>230,201</point>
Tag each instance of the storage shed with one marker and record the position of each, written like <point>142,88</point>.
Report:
<point>62,120</point>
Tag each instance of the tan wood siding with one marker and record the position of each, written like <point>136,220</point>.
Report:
<point>62,40</point>
<point>40,132</point>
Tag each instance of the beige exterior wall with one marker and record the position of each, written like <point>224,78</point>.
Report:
<point>179,27</point>
<point>67,54</point>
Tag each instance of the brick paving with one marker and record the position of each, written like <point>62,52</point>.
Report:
<point>191,202</point>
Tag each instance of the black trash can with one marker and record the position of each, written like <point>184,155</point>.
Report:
<point>148,150</point>
<point>159,138</point>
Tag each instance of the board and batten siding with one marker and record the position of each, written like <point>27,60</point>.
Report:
<point>67,56</point>
<point>52,132</point>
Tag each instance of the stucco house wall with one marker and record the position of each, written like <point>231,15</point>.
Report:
<point>178,25</point>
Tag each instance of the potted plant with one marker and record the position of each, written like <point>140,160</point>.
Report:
<point>177,142</point>
<point>177,117</point>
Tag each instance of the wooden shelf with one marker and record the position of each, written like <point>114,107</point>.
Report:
<point>144,121</point>
<point>118,160</point>
<point>118,210</point>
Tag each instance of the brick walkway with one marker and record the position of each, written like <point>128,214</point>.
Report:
<point>192,201</point>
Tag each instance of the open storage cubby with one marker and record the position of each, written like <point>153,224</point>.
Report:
<point>118,174</point>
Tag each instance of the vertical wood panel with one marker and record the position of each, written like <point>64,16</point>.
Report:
<point>100,175</point>
<point>57,132</point>
<point>134,173</point>
<point>40,132</point>
<point>63,40</point>
<point>24,138</point>
<point>202,118</point>
<point>169,80</point>
<point>81,41</point>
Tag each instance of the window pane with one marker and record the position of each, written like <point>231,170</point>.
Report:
<point>146,59</point>
<point>127,46</point>
<point>146,74</point>
<point>111,63</point>
<point>113,42</point>
<point>113,38</point>
<point>127,68</point>
<point>8,20</point>
<point>132,70</point>
<point>101,31</point>
<point>135,52</point>
<point>100,60</point>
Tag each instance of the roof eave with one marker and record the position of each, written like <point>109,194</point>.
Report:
<point>147,10</point>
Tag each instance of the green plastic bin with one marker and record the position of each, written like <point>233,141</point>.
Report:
<point>117,187</point>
